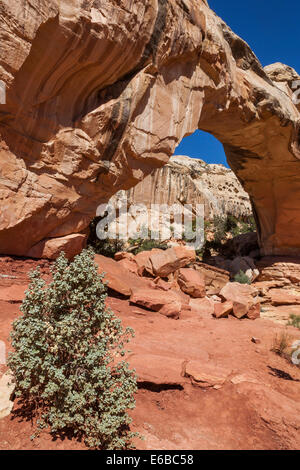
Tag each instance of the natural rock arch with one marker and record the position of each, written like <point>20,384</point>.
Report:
<point>100,92</point>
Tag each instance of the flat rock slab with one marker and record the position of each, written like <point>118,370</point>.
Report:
<point>206,375</point>
<point>283,297</point>
<point>167,303</point>
<point>159,370</point>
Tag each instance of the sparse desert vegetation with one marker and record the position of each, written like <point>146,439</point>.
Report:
<point>149,300</point>
<point>68,362</point>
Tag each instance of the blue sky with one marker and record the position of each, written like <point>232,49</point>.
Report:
<point>271,28</point>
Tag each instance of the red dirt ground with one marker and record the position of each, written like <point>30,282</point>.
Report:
<point>261,412</point>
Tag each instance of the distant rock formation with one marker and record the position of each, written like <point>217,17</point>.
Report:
<point>100,93</point>
<point>185,180</point>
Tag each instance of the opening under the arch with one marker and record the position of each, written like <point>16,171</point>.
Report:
<point>202,145</point>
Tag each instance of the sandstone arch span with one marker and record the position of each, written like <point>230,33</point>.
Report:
<point>101,92</point>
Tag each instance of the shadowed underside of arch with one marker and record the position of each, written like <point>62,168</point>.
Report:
<point>100,92</point>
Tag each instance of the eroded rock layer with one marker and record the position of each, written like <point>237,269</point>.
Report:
<point>185,180</point>
<point>99,93</point>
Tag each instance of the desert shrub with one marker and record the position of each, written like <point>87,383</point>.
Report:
<point>108,248</point>
<point>147,245</point>
<point>281,343</point>
<point>67,363</point>
<point>294,321</point>
<point>242,278</point>
<point>220,229</point>
<point>231,223</point>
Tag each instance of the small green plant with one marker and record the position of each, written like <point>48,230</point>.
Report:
<point>294,321</point>
<point>220,229</point>
<point>281,343</point>
<point>242,278</point>
<point>67,363</point>
<point>231,223</point>
<point>147,245</point>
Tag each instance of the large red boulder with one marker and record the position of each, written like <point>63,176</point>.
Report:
<point>166,262</point>
<point>129,264</point>
<point>243,300</point>
<point>51,248</point>
<point>234,290</point>
<point>166,303</point>
<point>222,310</point>
<point>118,277</point>
<point>142,260</point>
<point>191,282</point>
<point>203,307</point>
<point>215,278</point>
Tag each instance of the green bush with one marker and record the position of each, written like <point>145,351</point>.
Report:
<point>231,223</point>
<point>146,245</point>
<point>242,278</point>
<point>294,321</point>
<point>67,361</point>
<point>220,229</point>
<point>108,248</point>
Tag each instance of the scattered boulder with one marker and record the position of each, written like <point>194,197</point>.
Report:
<point>118,277</point>
<point>246,307</point>
<point>166,303</point>
<point>215,278</point>
<point>51,248</point>
<point>233,291</point>
<point>242,297</point>
<point>203,307</point>
<point>166,262</point>
<point>206,375</point>
<point>191,282</point>
<point>129,264</point>
<point>222,310</point>
<point>142,260</point>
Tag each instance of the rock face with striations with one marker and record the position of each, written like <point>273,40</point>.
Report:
<point>99,93</point>
<point>185,180</point>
